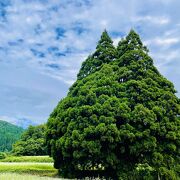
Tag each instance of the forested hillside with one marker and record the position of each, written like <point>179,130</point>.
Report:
<point>9,134</point>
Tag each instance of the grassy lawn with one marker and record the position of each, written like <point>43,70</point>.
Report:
<point>41,169</point>
<point>31,165</point>
<point>14,176</point>
<point>42,159</point>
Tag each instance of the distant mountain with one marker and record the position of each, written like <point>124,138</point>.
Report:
<point>25,123</point>
<point>9,134</point>
<point>22,122</point>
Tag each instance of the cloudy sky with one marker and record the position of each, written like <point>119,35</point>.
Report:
<point>43,43</point>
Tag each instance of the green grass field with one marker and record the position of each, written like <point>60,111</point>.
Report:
<point>41,169</point>
<point>42,159</point>
<point>29,165</point>
<point>14,176</point>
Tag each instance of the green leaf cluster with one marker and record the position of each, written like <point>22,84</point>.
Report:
<point>120,116</point>
<point>2,155</point>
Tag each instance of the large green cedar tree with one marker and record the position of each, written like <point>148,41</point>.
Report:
<point>120,117</point>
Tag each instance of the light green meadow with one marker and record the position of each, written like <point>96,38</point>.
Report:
<point>14,176</point>
<point>41,169</point>
<point>42,159</point>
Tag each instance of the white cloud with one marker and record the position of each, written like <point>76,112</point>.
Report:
<point>116,41</point>
<point>32,25</point>
<point>8,119</point>
<point>159,20</point>
<point>166,58</point>
<point>163,41</point>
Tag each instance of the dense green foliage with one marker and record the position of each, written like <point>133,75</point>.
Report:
<point>9,134</point>
<point>32,142</point>
<point>120,117</point>
<point>2,155</point>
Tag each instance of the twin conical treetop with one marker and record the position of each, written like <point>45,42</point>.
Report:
<point>121,117</point>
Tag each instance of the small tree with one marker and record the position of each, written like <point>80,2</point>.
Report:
<point>32,142</point>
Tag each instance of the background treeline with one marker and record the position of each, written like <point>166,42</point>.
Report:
<point>19,141</point>
<point>32,142</point>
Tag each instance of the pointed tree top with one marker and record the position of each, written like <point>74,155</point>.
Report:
<point>131,42</point>
<point>105,50</point>
<point>134,38</point>
<point>105,38</point>
<point>105,53</point>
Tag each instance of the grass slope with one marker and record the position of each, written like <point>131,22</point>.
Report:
<point>9,134</point>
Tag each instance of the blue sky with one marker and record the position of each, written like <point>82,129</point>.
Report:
<point>43,43</point>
